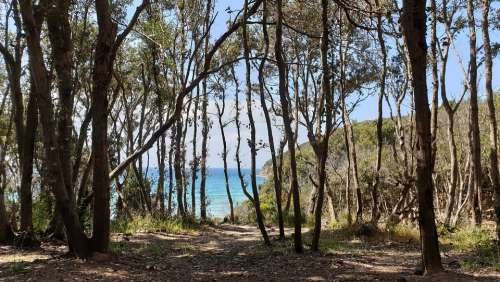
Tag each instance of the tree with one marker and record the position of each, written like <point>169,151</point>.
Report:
<point>490,100</point>
<point>475,142</point>
<point>108,43</point>
<point>294,185</point>
<point>321,146</point>
<point>220,113</point>
<point>414,28</point>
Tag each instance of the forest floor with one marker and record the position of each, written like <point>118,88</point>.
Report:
<point>230,253</point>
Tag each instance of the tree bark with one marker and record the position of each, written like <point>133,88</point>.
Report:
<point>474,116</point>
<point>321,148</point>
<point>285,107</point>
<point>220,114</point>
<point>77,240</point>
<point>414,28</point>
<point>378,162</point>
<point>276,179</point>
<point>27,167</point>
<point>490,99</point>
<point>252,142</point>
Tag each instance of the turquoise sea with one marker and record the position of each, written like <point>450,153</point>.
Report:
<point>218,205</point>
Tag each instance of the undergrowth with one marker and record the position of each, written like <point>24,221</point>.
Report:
<point>151,224</point>
<point>475,247</point>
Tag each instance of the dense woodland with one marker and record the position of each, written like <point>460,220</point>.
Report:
<point>96,93</point>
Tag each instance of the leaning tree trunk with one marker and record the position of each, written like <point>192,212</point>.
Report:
<point>414,28</point>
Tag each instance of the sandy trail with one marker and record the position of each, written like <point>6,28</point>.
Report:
<point>222,253</point>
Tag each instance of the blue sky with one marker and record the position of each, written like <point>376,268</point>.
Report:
<point>367,110</point>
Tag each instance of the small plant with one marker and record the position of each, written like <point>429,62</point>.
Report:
<point>117,247</point>
<point>17,267</point>
<point>153,250</point>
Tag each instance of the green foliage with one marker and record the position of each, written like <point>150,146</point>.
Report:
<point>16,267</point>
<point>477,244</point>
<point>117,247</point>
<point>150,224</point>
<point>153,250</point>
<point>42,212</point>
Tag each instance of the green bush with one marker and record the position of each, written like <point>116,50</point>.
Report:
<point>150,224</point>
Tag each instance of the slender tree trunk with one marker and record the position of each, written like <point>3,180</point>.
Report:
<point>252,142</point>
<point>205,122</point>
<point>194,167</point>
<point>322,146</point>
<point>204,150</point>
<point>276,178</point>
<point>350,144</point>
<point>450,203</point>
<point>179,185</point>
<point>474,117</point>
<point>414,27</point>
<point>378,162</point>
<point>220,114</point>
<point>285,107</point>
<point>490,98</point>
<point>170,172</point>
<point>435,83</point>
<point>348,193</point>
<point>160,195</point>
<point>238,138</point>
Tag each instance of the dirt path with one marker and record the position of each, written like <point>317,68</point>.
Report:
<point>226,252</point>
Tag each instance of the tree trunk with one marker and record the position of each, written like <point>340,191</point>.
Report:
<point>170,172</point>
<point>194,166</point>
<point>205,122</point>
<point>179,185</point>
<point>490,98</point>
<point>474,117</point>
<point>77,240</point>
<point>435,83</point>
<point>6,234</point>
<point>321,149</point>
<point>378,162</point>
<point>220,114</point>
<point>238,138</point>
<point>276,179</point>
<point>103,66</point>
<point>414,27</point>
<point>27,168</point>
<point>285,107</point>
<point>252,142</point>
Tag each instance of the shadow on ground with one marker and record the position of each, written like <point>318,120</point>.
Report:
<point>224,253</point>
